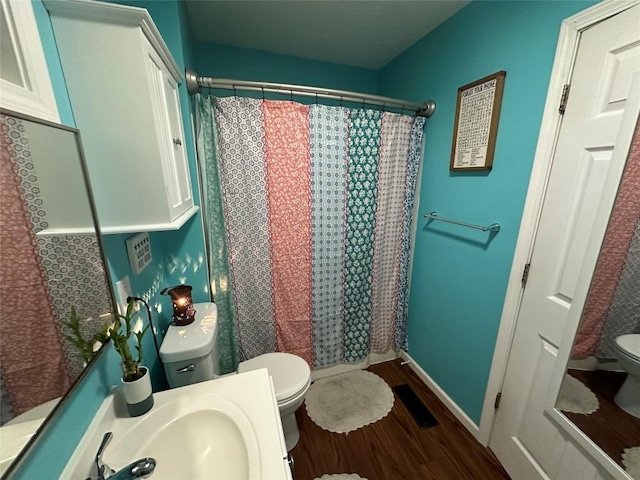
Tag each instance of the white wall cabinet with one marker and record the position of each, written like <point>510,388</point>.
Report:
<point>123,87</point>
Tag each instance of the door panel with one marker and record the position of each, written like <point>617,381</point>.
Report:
<point>536,433</point>
<point>590,174</point>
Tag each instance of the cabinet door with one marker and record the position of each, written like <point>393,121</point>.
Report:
<point>179,147</point>
<point>166,107</point>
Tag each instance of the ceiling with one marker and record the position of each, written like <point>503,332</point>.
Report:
<point>364,33</point>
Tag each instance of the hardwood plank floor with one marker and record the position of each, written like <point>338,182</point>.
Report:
<point>395,448</point>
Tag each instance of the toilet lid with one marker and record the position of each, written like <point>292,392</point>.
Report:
<point>630,344</point>
<point>290,373</point>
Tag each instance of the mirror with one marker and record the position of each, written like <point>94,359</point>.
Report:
<point>54,288</point>
<point>600,392</point>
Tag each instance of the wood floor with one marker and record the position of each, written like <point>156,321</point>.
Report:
<point>395,448</point>
<point>610,427</point>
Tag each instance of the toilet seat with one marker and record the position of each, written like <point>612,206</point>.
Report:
<point>293,398</point>
<point>291,374</point>
<point>629,345</point>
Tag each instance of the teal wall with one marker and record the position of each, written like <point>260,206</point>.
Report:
<point>460,275</point>
<point>178,258</point>
<point>223,61</point>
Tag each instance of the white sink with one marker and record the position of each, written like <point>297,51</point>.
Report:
<point>214,433</point>
<point>224,429</point>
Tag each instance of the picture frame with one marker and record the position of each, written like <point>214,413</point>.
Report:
<point>476,123</point>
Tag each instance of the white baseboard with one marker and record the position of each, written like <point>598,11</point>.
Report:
<point>444,398</point>
<point>371,359</point>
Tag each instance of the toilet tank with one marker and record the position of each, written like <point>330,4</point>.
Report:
<point>189,353</point>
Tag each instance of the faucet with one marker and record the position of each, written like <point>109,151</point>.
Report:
<point>142,468</point>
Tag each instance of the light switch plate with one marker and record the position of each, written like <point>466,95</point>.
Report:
<point>139,249</point>
<point>123,290</point>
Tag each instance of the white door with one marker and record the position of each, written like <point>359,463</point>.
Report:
<point>590,154</point>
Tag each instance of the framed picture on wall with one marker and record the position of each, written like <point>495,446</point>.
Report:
<point>476,123</point>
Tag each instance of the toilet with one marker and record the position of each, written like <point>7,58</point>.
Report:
<point>628,354</point>
<point>189,355</point>
<point>291,377</point>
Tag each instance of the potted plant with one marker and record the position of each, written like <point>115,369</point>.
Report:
<point>136,380</point>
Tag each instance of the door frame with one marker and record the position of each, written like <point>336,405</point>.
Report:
<point>566,51</point>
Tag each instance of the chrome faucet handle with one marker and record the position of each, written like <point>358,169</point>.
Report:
<point>104,470</point>
<point>142,468</point>
<point>139,469</point>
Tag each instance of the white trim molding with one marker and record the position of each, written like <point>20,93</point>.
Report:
<point>566,50</point>
<point>441,394</point>
<point>34,96</point>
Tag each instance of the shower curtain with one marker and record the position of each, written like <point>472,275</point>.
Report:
<point>309,217</point>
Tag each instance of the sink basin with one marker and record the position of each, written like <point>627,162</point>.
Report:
<point>213,432</point>
<point>228,428</point>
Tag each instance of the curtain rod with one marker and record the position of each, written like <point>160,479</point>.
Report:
<point>194,82</point>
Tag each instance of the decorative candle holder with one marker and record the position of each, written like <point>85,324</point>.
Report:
<point>183,311</point>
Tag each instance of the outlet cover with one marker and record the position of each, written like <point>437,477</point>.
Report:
<point>139,249</point>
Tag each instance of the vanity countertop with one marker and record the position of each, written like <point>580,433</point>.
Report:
<point>193,421</point>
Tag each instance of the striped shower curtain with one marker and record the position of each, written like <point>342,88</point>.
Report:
<point>309,217</point>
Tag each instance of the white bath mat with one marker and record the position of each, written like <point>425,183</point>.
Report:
<point>631,461</point>
<point>348,401</point>
<point>340,476</point>
<point>575,397</point>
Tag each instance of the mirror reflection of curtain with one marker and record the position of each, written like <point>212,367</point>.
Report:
<point>32,361</point>
<point>613,305</point>
<point>42,277</point>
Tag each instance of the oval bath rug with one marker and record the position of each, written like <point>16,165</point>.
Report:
<point>575,397</point>
<point>348,401</point>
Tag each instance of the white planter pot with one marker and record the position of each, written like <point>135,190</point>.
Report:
<point>138,394</point>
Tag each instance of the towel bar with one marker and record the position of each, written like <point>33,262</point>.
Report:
<point>494,227</point>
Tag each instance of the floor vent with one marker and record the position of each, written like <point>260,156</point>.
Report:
<point>420,413</point>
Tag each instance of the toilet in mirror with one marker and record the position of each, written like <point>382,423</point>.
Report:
<point>54,287</point>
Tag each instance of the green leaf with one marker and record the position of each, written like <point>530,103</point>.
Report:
<point>120,334</point>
